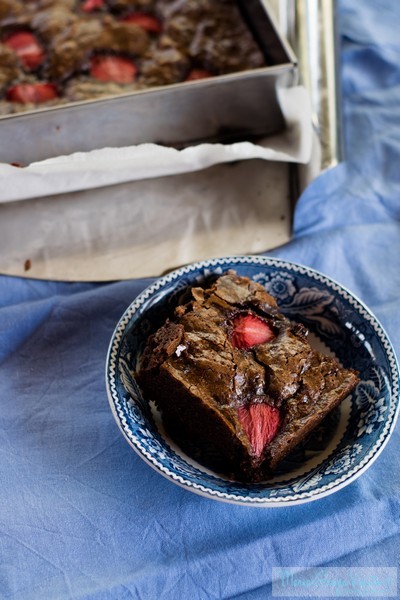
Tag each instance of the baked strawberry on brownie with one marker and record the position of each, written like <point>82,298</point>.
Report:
<point>238,384</point>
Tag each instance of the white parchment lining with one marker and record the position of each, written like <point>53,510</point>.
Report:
<point>137,211</point>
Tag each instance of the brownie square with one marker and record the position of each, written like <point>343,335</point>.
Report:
<point>237,383</point>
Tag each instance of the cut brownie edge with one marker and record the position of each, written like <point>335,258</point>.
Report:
<point>203,429</point>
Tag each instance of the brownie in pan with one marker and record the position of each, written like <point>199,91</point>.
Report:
<point>60,51</point>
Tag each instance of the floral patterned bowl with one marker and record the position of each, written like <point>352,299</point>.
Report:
<point>338,451</point>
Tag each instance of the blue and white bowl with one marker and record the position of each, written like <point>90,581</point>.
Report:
<point>338,452</point>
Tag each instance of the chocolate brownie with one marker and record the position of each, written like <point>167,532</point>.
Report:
<point>59,51</point>
<point>238,384</point>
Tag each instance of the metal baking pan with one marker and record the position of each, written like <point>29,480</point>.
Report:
<point>224,108</point>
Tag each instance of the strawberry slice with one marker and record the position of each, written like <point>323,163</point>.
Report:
<point>113,68</point>
<point>196,74</point>
<point>27,48</point>
<point>147,22</point>
<point>260,423</point>
<point>92,5</point>
<point>34,93</point>
<point>249,330</point>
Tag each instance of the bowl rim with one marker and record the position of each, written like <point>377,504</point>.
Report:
<point>261,260</point>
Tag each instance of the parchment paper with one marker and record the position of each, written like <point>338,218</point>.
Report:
<point>116,213</point>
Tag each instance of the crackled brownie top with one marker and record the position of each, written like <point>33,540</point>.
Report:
<point>232,341</point>
<point>231,349</point>
<point>57,51</point>
<point>201,347</point>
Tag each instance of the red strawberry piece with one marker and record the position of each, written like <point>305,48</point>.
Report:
<point>260,423</point>
<point>249,330</point>
<point>27,48</point>
<point>34,93</point>
<point>147,22</point>
<point>196,74</point>
<point>91,5</point>
<point>113,68</point>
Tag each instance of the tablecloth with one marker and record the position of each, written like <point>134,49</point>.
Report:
<point>81,515</point>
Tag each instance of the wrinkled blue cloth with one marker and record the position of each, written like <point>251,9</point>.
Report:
<point>81,515</point>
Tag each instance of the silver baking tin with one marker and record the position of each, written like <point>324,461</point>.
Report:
<point>225,108</point>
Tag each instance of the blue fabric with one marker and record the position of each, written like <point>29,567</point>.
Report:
<point>81,515</point>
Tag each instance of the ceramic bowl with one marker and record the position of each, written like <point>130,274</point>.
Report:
<point>339,450</point>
